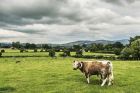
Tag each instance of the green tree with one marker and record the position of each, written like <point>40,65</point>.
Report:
<point>79,53</point>
<point>77,47</point>
<point>127,52</point>
<point>93,48</point>
<point>135,45</point>
<point>118,45</point>
<point>16,45</point>
<point>133,39</point>
<point>117,51</point>
<point>0,54</point>
<point>52,53</point>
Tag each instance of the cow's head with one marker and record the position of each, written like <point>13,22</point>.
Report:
<point>76,65</point>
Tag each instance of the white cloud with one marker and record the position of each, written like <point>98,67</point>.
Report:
<point>60,21</point>
<point>10,33</point>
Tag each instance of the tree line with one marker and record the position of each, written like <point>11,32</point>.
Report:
<point>126,52</point>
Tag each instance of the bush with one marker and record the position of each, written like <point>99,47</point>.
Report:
<point>26,50</point>
<point>79,53</point>
<point>41,50</point>
<point>0,54</point>
<point>2,51</point>
<point>46,50</point>
<point>126,52</point>
<point>21,50</point>
<point>35,50</point>
<point>67,52</point>
<point>99,56</point>
<point>52,53</point>
<point>63,55</point>
<point>117,51</point>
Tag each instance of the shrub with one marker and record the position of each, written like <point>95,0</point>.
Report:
<point>41,50</point>
<point>26,50</point>
<point>52,53</point>
<point>126,52</point>
<point>0,54</point>
<point>63,55</point>
<point>79,53</point>
<point>46,50</point>
<point>35,50</point>
<point>67,52</point>
<point>117,51</point>
<point>21,50</point>
<point>99,56</point>
<point>2,51</point>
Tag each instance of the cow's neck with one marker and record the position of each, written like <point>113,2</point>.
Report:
<point>82,68</point>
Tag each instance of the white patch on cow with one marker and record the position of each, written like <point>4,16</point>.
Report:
<point>75,64</point>
<point>88,80</point>
<point>109,81</point>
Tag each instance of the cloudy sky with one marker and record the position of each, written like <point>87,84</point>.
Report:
<point>61,21</point>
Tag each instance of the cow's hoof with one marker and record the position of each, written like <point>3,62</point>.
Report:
<point>102,85</point>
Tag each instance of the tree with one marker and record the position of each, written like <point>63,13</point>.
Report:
<point>93,48</point>
<point>35,50</point>
<point>16,45</point>
<point>108,46</point>
<point>2,51</point>
<point>27,45</point>
<point>135,45</point>
<point>33,46</point>
<point>0,54</point>
<point>77,47</point>
<point>132,51</point>
<point>52,53</point>
<point>66,52</point>
<point>118,45</point>
<point>127,52</point>
<point>46,46</point>
<point>117,51</point>
<point>133,39</point>
<point>100,46</point>
<point>79,53</point>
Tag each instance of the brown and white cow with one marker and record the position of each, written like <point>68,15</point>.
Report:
<point>102,68</point>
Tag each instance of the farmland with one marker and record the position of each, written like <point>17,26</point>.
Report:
<point>38,73</point>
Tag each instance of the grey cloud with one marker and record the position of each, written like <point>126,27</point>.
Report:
<point>59,21</point>
<point>12,12</point>
<point>119,2</point>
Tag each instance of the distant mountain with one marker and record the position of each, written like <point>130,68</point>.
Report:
<point>123,41</point>
<point>87,42</point>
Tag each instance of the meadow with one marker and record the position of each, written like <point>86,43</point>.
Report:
<point>38,73</point>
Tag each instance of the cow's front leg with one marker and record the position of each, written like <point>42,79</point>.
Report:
<point>87,77</point>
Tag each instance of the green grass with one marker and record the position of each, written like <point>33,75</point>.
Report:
<point>47,75</point>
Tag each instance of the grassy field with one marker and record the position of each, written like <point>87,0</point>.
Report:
<point>42,74</point>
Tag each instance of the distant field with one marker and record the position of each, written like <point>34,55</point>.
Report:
<point>47,75</point>
<point>31,53</point>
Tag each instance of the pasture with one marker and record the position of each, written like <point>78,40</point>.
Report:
<point>38,73</point>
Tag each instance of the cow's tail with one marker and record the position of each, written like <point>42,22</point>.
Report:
<point>110,70</point>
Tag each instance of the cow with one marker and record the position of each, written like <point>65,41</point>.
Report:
<point>103,68</point>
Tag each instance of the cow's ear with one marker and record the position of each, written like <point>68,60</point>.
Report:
<point>74,61</point>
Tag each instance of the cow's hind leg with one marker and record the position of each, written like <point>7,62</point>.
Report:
<point>104,81</point>
<point>109,80</point>
<point>87,77</point>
